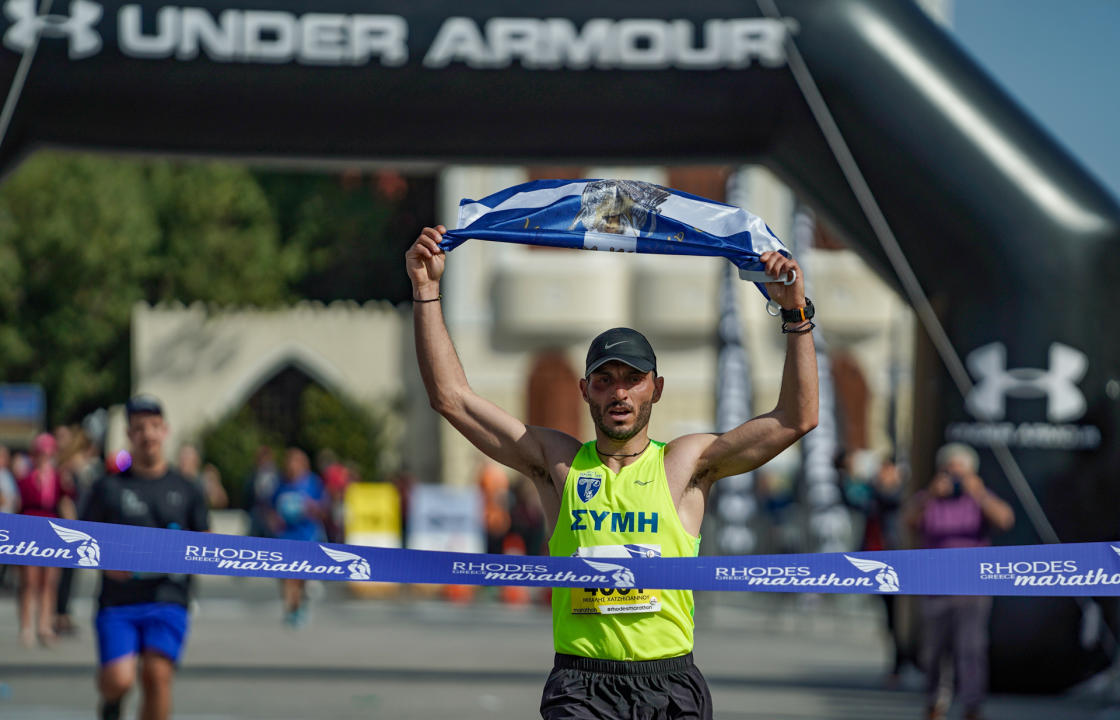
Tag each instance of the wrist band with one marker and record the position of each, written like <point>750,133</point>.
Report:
<point>435,299</point>
<point>800,314</point>
<point>805,327</point>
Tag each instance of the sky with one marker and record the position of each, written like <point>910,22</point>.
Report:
<point>1060,59</point>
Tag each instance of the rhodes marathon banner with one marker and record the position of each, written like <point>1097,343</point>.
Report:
<point>1091,569</point>
<point>618,216</point>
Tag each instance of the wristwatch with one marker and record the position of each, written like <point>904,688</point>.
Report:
<point>799,314</point>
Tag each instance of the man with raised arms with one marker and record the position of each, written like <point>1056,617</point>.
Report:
<point>619,653</point>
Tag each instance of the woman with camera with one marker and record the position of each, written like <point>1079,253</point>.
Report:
<point>956,510</point>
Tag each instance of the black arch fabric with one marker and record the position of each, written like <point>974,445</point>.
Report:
<point>1015,244</point>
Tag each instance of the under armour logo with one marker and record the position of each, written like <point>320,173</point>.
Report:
<point>1058,384</point>
<point>27,25</point>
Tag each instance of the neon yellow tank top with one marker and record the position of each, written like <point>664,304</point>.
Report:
<point>605,515</point>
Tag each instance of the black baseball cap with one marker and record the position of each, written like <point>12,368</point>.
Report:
<point>622,344</point>
<point>142,405</point>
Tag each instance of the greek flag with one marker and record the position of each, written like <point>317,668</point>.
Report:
<point>618,216</point>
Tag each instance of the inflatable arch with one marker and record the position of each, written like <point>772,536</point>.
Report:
<point>1013,242</point>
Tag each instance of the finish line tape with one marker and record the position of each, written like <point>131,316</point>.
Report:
<point>1090,569</point>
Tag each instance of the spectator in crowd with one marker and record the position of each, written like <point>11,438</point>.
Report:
<point>298,513</point>
<point>325,459</point>
<point>9,495</point>
<point>956,510</point>
<point>336,478</point>
<point>404,480</point>
<point>63,438</point>
<point>879,497</point>
<point>142,619</point>
<point>82,464</point>
<point>210,480</point>
<point>188,462</point>
<point>527,517</point>
<point>21,466</point>
<point>9,491</point>
<point>493,483</point>
<point>41,495</point>
<point>207,477</point>
<point>260,487</point>
<point>79,467</point>
<point>776,495</point>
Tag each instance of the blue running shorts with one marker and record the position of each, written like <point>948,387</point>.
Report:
<point>132,629</point>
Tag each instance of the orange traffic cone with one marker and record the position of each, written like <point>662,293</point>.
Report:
<point>459,594</point>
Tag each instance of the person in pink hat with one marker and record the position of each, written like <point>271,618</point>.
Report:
<point>41,495</point>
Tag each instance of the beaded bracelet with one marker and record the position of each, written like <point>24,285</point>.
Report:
<point>805,327</point>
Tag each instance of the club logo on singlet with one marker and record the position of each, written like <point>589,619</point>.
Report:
<point>587,485</point>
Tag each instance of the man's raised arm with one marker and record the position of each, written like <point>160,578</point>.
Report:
<point>491,429</point>
<point>758,440</point>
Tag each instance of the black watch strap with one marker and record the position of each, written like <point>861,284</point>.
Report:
<point>799,314</point>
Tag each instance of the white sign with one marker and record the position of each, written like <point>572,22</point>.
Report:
<point>445,518</point>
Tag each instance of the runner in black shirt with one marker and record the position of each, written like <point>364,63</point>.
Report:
<point>143,614</point>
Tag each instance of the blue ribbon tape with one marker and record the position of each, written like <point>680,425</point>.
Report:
<point>1090,569</point>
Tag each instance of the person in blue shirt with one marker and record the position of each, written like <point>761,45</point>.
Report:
<point>298,511</point>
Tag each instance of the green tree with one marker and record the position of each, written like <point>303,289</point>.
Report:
<point>218,241</point>
<point>353,230</point>
<point>76,234</point>
<point>355,433</point>
<point>83,238</point>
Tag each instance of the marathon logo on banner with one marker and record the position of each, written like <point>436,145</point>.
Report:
<point>801,578</point>
<point>85,551</point>
<point>1081,569</point>
<point>1053,573</point>
<point>346,565</point>
<point>512,573</point>
<point>275,36</point>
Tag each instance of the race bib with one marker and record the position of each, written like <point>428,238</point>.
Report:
<point>620,600</point>
<point>614,601</point>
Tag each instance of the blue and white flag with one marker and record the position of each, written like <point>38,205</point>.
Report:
<point>618,216</point>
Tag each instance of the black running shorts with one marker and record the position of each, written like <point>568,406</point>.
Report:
<point>582,688</point>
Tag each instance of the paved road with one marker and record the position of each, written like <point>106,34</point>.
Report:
<point>777,659</point>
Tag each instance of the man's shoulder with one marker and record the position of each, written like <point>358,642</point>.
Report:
<point>558,447</point>
<point>175,477</point>
<point>107,480</point>
<point>175,480</point>
<point>698,438</point>
<point>693,445</point>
